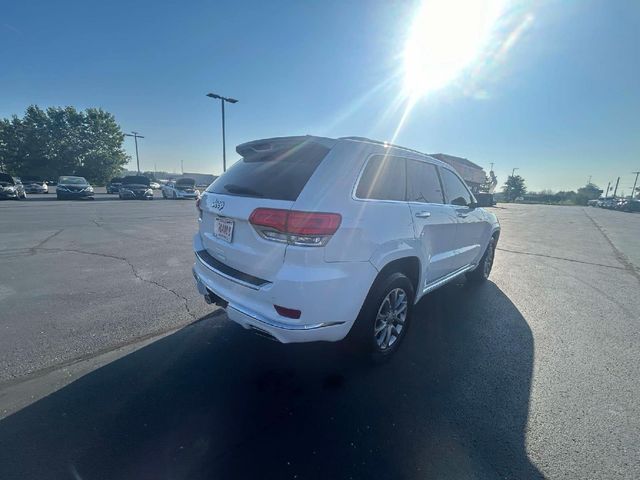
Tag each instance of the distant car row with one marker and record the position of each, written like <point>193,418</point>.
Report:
<point>615,203</point>
<point>72,187</point>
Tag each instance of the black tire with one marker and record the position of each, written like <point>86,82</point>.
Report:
<point>365,334</point>
<point>483,270</point>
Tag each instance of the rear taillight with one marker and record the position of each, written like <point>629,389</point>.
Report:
<point>311,229</point>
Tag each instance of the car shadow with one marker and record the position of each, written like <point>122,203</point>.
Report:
<point>214,401</point>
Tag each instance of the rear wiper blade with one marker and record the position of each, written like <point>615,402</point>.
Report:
<point>238,189</point>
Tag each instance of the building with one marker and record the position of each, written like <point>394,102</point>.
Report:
<point>472,174</point>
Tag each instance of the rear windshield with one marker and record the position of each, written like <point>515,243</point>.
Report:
<point>186,182</point>
<point>277,175</point>
<point>136,180</point>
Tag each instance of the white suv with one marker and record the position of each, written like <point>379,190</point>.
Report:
<point>312,238</point>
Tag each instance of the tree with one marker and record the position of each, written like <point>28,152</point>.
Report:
<point>514,187</point>
<point>586,193</point>
<point>62,141</point>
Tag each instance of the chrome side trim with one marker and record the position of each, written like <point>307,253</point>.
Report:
<point>447,278</point>
<point>224,275</point>
<point>276,324</point>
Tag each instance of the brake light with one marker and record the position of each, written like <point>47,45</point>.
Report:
<point>295,227</point>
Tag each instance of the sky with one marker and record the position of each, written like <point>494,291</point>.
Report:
<point>549,87</point>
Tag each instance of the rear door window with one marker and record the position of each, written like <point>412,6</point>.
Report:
<point>277,175</point>
<point>384,178</point>
<point>456,191</point>
<point>423,184</point>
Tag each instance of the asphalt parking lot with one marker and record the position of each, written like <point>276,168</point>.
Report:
<point>111,365</point>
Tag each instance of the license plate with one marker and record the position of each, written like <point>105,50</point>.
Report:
<point>223,228</point>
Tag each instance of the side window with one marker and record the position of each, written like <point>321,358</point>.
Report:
<point>384,178</point>
<point>423,184</point>
<point>457,193</point>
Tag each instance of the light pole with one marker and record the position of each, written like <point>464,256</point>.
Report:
<point>135,136</point>
<point>633,191</point>
<point>222,100</point>
<point>513,171</point>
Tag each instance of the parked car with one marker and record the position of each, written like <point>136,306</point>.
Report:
<point>154,185</point>
<point>114,185</point>
<point>72,187</point>
<point>181,188</point>
<point>318,239</point>
<point>632,206</point>
<point>135,187</point>
<point>11,188</point>
<point>34,185</point>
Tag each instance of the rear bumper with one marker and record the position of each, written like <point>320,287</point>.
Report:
<point>330,301</point>
<point>186,195</point>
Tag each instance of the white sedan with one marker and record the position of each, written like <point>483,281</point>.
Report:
<point>181,188</point>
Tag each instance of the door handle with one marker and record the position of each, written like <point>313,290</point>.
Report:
<point>423,214</point>
<point>463,215</point>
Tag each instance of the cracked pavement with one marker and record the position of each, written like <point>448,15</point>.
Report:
<point>79,278</point>
<point>531,375</point>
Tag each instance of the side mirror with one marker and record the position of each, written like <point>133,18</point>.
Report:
<point>473,204</point>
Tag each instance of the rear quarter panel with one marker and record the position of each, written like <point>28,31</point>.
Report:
<point>376,231</point>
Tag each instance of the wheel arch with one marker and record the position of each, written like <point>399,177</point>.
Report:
<point>407,265</point>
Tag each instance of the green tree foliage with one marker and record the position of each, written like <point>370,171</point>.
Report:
<point>586,193</point>
<point>514,187</point>
<point>62,141</point>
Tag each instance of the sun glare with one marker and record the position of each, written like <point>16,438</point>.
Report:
<point>446,37</point>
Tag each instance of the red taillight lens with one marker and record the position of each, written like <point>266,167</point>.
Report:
<point>269,217</point>
<point>295,227</point>
<point>287,312</point>
<point>310,223</point>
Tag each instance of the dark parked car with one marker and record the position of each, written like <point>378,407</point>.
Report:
<point>136,187</point>
<point>11,187</point>
<point>73,187</point>
<point>114,185</point>
<point>34,184</point>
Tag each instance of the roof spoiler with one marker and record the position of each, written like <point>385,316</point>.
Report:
<point>255,147</point>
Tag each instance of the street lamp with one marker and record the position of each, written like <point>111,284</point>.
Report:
<point>513,172</point>
<point>135,136</point>
<point>222,100</point>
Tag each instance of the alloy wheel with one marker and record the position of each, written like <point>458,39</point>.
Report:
<point>391,317</point>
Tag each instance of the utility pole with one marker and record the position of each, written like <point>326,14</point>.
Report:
<point>492,166</point>
<point>589,181</point>
<point>615,190</point>
<point>182,167</point>
<point>633,190</point>
<point>135,136</point>
<point>222,101</point>
<point>607,194</point>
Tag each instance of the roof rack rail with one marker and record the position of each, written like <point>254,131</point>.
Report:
<point>378,142</point>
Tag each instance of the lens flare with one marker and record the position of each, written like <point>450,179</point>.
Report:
<point>445,38</point>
